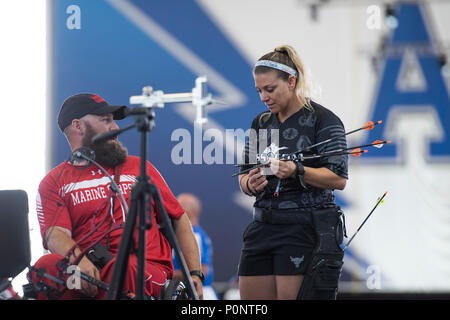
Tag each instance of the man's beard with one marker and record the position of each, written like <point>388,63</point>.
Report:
<point>110,153</point>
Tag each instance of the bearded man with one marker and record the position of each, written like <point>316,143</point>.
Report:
<point>81,217</point>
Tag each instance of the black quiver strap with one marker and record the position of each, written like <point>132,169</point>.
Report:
<point>323,272</point>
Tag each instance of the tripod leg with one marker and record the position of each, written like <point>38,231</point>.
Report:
<point>173,241</point>
<point>142,248</point>
<point>121,264</point>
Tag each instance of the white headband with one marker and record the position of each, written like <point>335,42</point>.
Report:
<point>276,65</point>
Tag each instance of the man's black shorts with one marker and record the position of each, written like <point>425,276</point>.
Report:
<point>277,249</point>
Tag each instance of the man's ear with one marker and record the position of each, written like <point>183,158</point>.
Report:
<point>76,124</point>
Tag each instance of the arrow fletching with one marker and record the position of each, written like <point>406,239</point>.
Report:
<point>370,125</point>
<point>357,152</point>
<point>379,144</point>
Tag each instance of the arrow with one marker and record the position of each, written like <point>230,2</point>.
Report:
<point>356,152</point>
<point>376,144</point>
<point>368,126</point>
<point>380,200</point>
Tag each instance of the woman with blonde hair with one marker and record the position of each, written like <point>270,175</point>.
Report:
<point>280,244</point>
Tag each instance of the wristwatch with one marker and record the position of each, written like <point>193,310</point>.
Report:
<point>300,168</point>
<point>300,173</point>
<point>199,274</point>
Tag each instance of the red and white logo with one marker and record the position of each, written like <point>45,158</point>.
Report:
<point>97,98</point>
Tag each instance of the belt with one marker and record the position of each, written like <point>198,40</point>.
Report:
<point>274,216</point>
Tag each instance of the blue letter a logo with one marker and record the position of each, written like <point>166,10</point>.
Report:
<point>410,82</point>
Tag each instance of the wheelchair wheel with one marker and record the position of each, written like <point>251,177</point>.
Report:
<point>174,290</point>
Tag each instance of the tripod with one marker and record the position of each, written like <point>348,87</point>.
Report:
<point>141,197</point>
<point>144,191</point>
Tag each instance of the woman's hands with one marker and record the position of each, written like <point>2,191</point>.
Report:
<point>283,169</point>
<point>257,181</point>
<point>322,178</point>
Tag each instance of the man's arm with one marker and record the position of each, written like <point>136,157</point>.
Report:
<point>177,274</point>
<point>189,248</point>
<point>59,240</point>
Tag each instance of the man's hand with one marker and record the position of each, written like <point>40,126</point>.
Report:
<point>87,267</point>
<point>198,286</point>
<point>59,240</point>
<point>189,248</point>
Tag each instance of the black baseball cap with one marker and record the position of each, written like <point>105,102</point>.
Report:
<point>79,105</point>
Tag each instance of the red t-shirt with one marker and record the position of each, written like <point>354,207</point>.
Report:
<point>79,199</point>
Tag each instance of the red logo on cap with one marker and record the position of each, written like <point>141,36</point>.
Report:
<point>97,98</point>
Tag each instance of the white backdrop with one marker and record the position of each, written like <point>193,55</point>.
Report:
<point>23,120</point>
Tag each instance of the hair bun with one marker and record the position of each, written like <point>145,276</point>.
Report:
<point>281,50</point>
